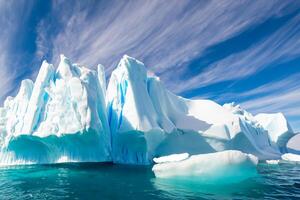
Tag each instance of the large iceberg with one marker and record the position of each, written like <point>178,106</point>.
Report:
<point>68,114</point>
<point>147,120</point>
<point>61,115</point>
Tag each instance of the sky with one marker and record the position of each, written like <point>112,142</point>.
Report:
<point>247,52</point>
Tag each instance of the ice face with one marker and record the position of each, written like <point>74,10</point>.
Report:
<point>278,128</point>
<point>160,123</point>
<point>131,114</point>
<point>38,98</point>
<point>61,115</point>
<point>226,167</point>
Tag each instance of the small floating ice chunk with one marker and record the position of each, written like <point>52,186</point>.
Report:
<point>272,162</point>
<point>171,158</point>
<point>291,157</point>
<point>221,167</point>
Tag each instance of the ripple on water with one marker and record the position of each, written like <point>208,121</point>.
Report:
<point>108,181</point>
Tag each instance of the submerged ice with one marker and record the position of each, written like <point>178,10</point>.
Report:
<point>68,115</point>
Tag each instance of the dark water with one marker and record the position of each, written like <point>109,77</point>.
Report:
<point>107,181</point>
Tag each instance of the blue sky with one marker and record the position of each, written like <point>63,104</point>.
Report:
<point>242,51</point>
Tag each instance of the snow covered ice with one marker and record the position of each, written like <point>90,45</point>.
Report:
<point>171,158</point>
<point>147,120</point>
<point>278,128</point>
<point>225,166</point>
<point>61,115</point>
<point>68,115</point>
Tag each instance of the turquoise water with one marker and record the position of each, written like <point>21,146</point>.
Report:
<point>108,181</point>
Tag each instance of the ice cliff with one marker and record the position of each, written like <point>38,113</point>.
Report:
<point>61,115</point>
<point>68,114</point>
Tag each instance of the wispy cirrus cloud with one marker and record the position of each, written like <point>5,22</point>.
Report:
<point>276,96</point>
<point>10,24</point>
<point>281,46</point>
<point>165,34</point>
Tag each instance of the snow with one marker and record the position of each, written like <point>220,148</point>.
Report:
<point>225,166</point>
<point>291,157</point>
<point>171,158</point>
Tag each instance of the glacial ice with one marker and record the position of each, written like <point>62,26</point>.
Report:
<point>278,128</point>
<point>61,115</point>
<point>225,166</point>
<point>68,114</point>
<point>293,145</point>
<point>147,120</point>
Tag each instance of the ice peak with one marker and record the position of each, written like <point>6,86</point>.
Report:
<point>132,68</point>
<point>62,57</point>
<point>128,59</point>
<point>130,62</point>
<point>101,78</point>
<point>64,70</point>
<point>25,89</point>
<point>45,62</point>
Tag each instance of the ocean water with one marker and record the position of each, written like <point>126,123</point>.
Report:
<point>108,181</point>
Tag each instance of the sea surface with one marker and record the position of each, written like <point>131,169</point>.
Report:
<point>109,181</point>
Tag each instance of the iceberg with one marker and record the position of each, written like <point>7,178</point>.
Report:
<point>61,116</point>
<point>68,114</point>
<point>226,167</point>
